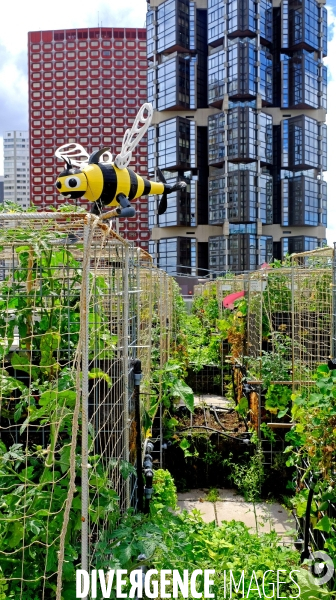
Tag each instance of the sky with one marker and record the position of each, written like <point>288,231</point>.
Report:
<point>20,16</point>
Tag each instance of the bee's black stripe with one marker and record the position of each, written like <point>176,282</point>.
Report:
<point>134,184</point>
<point>147,187</point>
<point>110,183</point>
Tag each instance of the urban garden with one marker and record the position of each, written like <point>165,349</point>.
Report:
<point>114,396</point>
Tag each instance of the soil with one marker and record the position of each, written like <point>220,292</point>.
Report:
<point>203,416</point>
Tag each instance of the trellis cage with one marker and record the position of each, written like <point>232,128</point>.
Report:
<point>156,322</point>
<point>291,311</point>
<point>220,288</point>
<point>77,304</point>
<point>289,322</point>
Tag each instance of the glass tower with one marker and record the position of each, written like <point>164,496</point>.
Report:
<point>239,89</point>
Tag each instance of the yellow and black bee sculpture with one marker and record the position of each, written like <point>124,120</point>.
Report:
<point>111,184</point>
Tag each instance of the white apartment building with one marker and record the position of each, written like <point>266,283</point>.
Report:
<point>16,167</point>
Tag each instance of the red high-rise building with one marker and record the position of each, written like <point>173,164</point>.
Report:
<point>85,86</point>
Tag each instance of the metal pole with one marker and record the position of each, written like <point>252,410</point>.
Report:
<point>139,296</point>
<point>125,369</point>
<point>293,325</point>
<point>85,399</point>
<point>137,410</point>
<point>333,317</point>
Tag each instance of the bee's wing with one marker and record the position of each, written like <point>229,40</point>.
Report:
<point>75,152</point>
<point>133,136</point>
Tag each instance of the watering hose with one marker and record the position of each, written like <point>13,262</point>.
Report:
<point>218,421</point>
<point>306,553</point>
<point>245,440</point>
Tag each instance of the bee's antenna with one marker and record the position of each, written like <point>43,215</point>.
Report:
<point>67,163</point>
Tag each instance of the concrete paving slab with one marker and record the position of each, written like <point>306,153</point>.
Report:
<point>235,511</point>
<point>230,496</point>
<point>192,495</point>
<point>213,400</point>
<point>231,506</point>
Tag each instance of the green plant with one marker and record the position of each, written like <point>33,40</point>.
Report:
<point>212,495</point>
<point>164,491</point>
<point>169,388</point>
<point>182,541</point>
<point>278,398</point>
<point>34,518</point>
<point>40,310</point>
<point>313,436</point>
<point>249,476</point>
<point>267,432</point>
<point>274,365</point>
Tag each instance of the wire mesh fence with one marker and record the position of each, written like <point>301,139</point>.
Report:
<point>286,335</point>
<point>78,305</point>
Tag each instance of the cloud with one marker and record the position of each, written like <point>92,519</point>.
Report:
<point>17,18</point>
<point>330,176</point>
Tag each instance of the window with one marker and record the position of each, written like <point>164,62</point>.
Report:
<point>35,46</point>
<point>59,55</point>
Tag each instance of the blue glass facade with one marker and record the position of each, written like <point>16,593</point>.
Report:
<point>240,72</point>
<point>304,81</point>
<point>249,167</point>
<point>242,251</point>
<point>304,144</point>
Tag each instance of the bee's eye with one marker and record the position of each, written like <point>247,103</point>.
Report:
<point>72,182</point>
<point>58,185</point>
